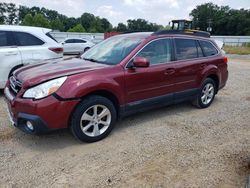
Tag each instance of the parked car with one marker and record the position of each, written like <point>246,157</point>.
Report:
<point>76,45</point>
<point>122,75</point>
<point>21,45</point>
<point>220,44</point>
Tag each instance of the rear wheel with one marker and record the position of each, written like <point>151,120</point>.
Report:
<point>86,49</point>
<point>206,94</point>
<point>93,119</point>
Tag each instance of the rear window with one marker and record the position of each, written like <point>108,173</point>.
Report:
<point>50,36</point>
<point>6,39</point>
<point>186,49</point>
<point>208,48</point>
<point>26,39</point>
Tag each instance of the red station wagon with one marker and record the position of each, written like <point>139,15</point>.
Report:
<point>122,75</point>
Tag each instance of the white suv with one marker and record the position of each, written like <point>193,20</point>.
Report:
<point>22,45</point>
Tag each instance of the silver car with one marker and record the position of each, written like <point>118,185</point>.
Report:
<point>76,45</point>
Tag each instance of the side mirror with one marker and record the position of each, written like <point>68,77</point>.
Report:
<point>141,62</point>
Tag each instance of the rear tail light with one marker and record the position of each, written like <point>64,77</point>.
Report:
<point>225,59</point>
<point>57,50</point>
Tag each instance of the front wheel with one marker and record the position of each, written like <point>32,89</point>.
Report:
<point>93,119</point>
<point>206,94</point>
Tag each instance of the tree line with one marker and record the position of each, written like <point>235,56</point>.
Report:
<point>222,19</point>
<point>42,17</point>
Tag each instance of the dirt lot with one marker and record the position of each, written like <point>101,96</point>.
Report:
<point>176,146</point>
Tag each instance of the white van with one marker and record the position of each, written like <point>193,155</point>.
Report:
<point>22,45</point>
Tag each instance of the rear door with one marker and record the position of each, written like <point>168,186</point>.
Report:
<point>69,46</point>
<point>80,45</point>
<point>30,46</point>
<point>154,84</point>
<point>189,63</point>
<point>9,55</point>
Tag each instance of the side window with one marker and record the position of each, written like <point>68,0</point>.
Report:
<point>70,41</point>
<point>208,48</point>
<point>6,39</point>
<point>26,39</point>
<point>200,53</point>
<point>79,41</point>
<point>157,52</point>
<point>50,36</point>
<point>186,49</point>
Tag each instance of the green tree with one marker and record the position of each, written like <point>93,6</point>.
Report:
<point>88,21</point>
<point>142,25</point>
<point>106,25</point>
<point>2,12</point>
<point>22,12</point>
<point>69,22</point>
<point>57,25</point>
<point>28,20</point>
<point>121,27</point>
<point>40,21</point>
<point>12,17</point>
<point>97,27</point>
<point>222,19</point>
<point>78,28</point>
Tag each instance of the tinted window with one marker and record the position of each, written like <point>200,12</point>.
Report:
<point>186,49</point>
<point>26,39</point>
<point>208,48</point>
<point>70,41</point>
<point>79,41</point>
<point>200,53</point>
<point>50,36</point>
<point>6,39</point>
<point>157,52</point>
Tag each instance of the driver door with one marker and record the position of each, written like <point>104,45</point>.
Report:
<point>154,84</point>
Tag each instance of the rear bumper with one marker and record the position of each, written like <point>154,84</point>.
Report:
<point>224,81</point>
<point>45,115</point>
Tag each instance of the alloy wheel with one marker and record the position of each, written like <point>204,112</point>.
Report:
<point>95,120</point>
<point>207,93</point>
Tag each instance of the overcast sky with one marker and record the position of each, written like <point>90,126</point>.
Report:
<point>156,11</point>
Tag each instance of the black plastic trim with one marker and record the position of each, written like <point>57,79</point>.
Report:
<point>39,125</point>
<point>64,99</point>
<point>156,102</point>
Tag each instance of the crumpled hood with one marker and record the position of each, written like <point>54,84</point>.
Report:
<point>35,74</point>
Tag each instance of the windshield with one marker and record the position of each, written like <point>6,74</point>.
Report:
<point>113,50</point>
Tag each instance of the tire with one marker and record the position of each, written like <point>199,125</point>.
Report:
<point>206,94</point>
<point>93,119</point>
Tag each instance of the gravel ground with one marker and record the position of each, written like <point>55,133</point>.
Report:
<point>176,146</point>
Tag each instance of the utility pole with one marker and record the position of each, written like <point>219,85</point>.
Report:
<point>209,22</point>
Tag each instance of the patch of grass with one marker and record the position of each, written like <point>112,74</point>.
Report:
<point>241,50</point>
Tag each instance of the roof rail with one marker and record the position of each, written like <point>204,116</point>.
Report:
<point>183,32</point>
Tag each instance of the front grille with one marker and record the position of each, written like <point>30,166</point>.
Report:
<point>15,84</point>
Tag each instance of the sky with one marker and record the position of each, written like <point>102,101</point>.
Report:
<point>156,11</point>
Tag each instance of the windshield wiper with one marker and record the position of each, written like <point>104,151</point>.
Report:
<point>94,60</point>
<point>91,59</point>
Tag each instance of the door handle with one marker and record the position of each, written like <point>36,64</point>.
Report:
<point>202,65</point>
<point>10,53</point>
<point>169,71</point>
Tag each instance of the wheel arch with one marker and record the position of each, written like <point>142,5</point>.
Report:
<point>107,94</point>
<point>104,93</point>
<point>216,80</point>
